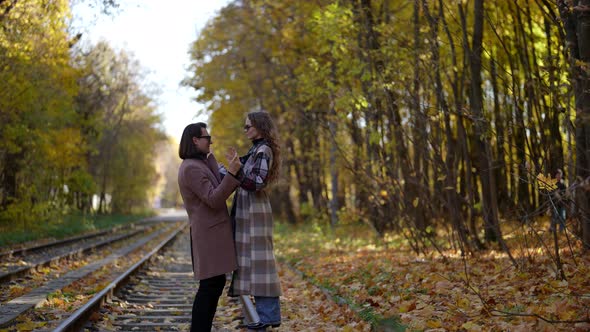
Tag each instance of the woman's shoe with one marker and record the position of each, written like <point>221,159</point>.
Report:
<point>256,326</point>
<point>261,325</point>
<point>275,324</point>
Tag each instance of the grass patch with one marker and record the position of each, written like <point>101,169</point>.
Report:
<point>309,246</point>
<point>67,226</point>
<point>393,288</point>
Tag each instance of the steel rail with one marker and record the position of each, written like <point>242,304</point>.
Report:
<point>21,251</point>
<point>7,276</point>
<point>76,321</point>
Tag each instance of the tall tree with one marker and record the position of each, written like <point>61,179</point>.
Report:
<point>37,86</point>
<point>576,22</point>
<point>369,84</point>
<point>117,117</point>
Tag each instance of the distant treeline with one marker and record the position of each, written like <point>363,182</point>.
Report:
<point>78,129</point>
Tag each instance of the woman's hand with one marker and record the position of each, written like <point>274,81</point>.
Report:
<point>230,154</point>
<point>233,161</point>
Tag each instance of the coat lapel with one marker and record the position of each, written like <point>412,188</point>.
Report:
<point>213,167</point>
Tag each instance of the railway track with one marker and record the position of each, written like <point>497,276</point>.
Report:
<point>18,314</point>
<point>19,262</point>
<point>15,266</point>
<point>147,285</point>
<point>21,250</point>
<point>157,298</point>
<point>156,294</point>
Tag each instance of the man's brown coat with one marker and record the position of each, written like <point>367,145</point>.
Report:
<point>204,195</point>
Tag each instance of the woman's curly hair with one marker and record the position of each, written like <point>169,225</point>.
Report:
<point>264,124</point>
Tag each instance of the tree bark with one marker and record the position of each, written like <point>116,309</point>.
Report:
<point>450,193</point>
<point>489,200</point>
<point>499,164</point>
<point>420,186</point>
<point>576,21</point>
<point>9,174</point>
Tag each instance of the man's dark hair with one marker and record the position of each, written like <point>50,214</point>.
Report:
<point>187,148</point>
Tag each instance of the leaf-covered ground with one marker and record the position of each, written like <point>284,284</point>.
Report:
<point>61,303</point>
<point>348,280</point>
<point>391,287</point>
<point>304,307</point>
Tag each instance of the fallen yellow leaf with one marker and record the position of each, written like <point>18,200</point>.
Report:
<point>433,324</point>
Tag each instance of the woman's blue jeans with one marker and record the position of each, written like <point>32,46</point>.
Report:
<point>268,309</point>
<point>558,218</point>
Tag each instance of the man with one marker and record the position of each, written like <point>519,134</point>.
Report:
<point>204,193</point>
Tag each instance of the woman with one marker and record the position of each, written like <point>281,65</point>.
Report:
<point>257,274</point>
<point>204,194</point>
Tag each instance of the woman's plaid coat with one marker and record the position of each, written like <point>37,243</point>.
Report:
<point>257,271</point>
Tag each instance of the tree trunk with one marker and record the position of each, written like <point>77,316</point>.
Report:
<point>419,201</point>
<point>577,28</point>
<point>450,193</point>
<point>499,164</point>
<point>555,144</point>
<point>489,200</point>
<point>334,203</point>
<point>9,183</point>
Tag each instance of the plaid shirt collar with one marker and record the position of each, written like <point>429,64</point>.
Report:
<point>255,144</point>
